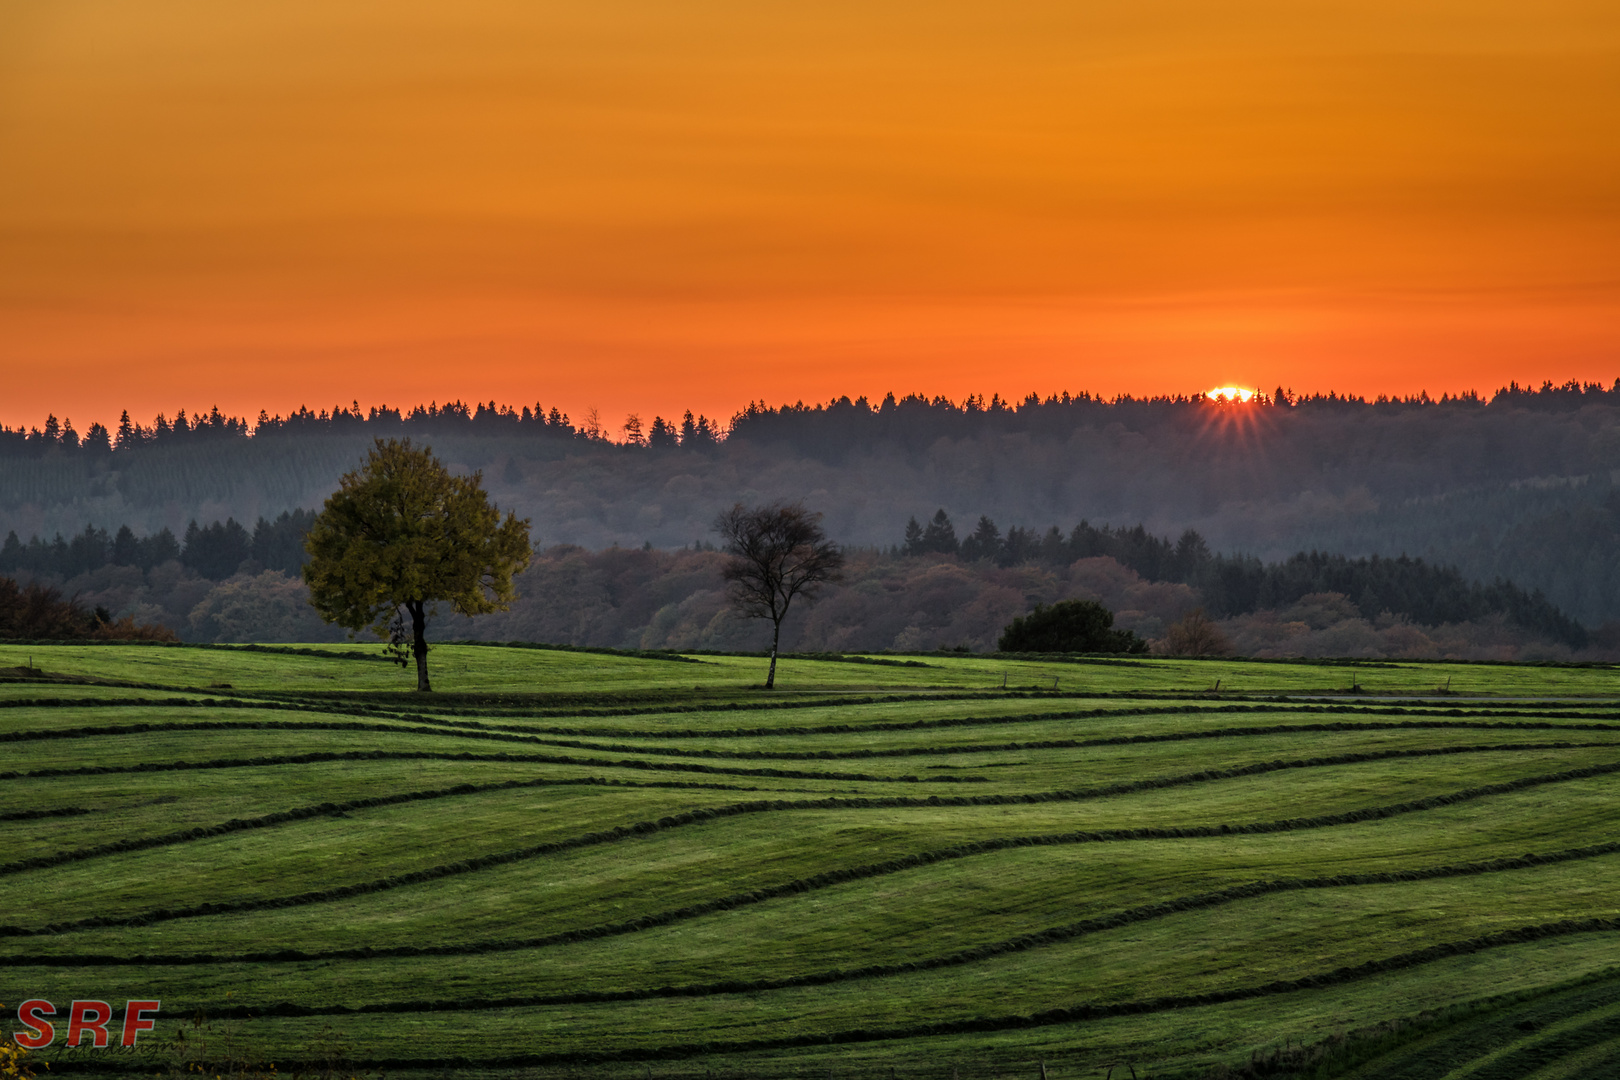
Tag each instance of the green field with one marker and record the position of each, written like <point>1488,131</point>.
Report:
<point>586,864</point>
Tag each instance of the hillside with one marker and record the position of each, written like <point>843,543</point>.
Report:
<point>574,862</point>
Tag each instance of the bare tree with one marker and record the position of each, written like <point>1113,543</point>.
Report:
<point>1196,635</point>
<point>777,552</point>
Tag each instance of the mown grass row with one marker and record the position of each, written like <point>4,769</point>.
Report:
<point>911,910</point>
<point>86,772</point>
<point>691,817</point>
<point>537,759</point>
<point>976,1025</point>
<point>104,788</point>
<point>758,893</point>
<point>1023,942</point>
<point>451,716</point>
<point>294,814</point>
<point>305,813</point>
<point>1111,972</point>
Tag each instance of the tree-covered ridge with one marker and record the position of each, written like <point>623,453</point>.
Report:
<point>1241,584</point>
<point>1521,487</point>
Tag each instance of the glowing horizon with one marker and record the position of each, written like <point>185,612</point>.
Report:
<point>1237,394</point>
<point>643,210</point>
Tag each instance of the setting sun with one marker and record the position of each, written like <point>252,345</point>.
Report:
<point>1229,393</point>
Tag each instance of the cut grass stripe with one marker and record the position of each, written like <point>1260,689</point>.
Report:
<point>1096,713</point>
<point>549,759</point>
<point>1596,1061</point>
<point>1021,943</point>
<point>1550,1054</point>
<point>1070,744</point>
<point>304,813</point>
<point>1465,1072</point>
<point>978,1025</point>
<point>835,877</point>
<point>439,720</point>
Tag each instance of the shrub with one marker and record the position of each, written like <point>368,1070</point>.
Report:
<point>1068,626</point>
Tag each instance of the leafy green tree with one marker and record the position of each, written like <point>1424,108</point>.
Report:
<point>402,534</point>
<point>1068,626</point>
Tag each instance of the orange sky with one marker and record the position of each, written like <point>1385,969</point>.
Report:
<point>639,205</point>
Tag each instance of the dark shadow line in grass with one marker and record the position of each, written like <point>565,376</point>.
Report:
<point>37,815</point>
<point>803,885</point>
<point>1540,1052</point>
<point>485,736</point>
<point>1071,744</point>
<point>1018,718</point>
<point>447,718</point>
<point>1022,943</point>
<point>1456,1034</point>
<point>516,733</point>
<point>344,702</point>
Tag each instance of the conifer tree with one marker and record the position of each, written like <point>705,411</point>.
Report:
<point>126,432</point>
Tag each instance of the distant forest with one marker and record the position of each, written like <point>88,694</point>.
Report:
<point>1240,585</point>
<point>931,590</point>
<point>1519,486</point>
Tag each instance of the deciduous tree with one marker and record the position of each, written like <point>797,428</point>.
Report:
<point>778,552</point>
<point>401,534</point>
<point>1196,634</point>
<point>1068,626</point>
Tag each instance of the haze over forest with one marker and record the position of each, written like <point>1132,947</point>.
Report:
<point>1519,486</point>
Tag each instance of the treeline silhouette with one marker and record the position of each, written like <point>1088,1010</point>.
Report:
<point>215,551</point>
<point>453,418</point>
<point>1240,584</point>
<point>834,426</point>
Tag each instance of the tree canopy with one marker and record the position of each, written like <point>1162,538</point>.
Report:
<point>1068,626</point>
<point>402,534</point>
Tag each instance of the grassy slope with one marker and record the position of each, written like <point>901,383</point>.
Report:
<point>910,830</point>
<point>482,669</point>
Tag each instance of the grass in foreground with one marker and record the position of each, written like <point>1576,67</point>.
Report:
<point>576,861</point>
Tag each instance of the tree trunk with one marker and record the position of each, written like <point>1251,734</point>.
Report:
<point>776,635</point>
<point>418,612</point>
